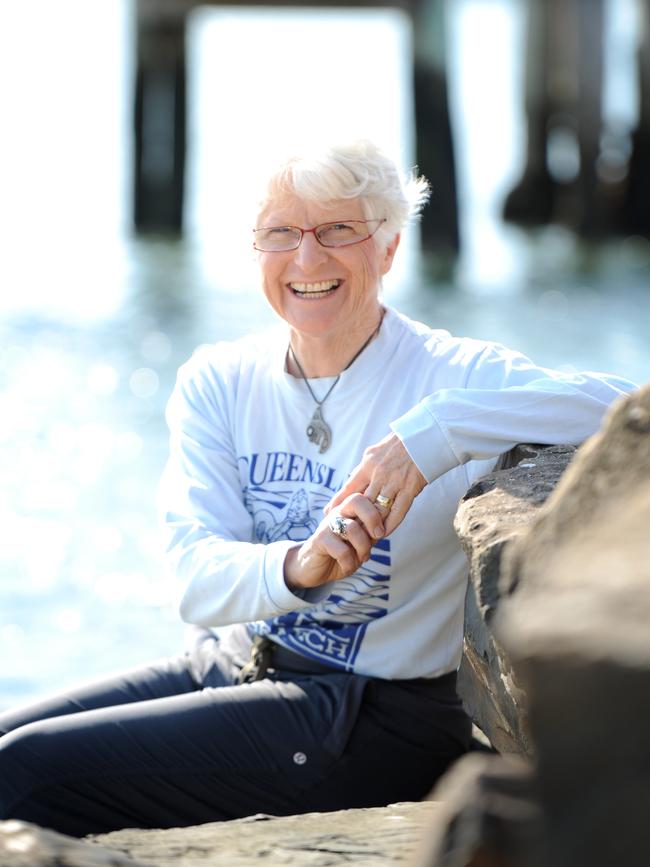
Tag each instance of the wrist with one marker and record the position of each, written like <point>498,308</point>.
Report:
<point>292,570</point>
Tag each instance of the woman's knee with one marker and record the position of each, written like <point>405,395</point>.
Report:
<point>27,758</point>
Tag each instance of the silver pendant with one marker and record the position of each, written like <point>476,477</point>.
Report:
<point>319,432</point>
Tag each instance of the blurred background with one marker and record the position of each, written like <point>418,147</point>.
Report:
<point>133,133</point>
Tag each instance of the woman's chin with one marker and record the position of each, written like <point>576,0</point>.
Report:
<point>315,315</point>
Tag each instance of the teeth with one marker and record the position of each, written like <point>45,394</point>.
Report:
<point>314,288</point>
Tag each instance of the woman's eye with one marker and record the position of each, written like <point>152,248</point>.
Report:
<point>336,230</point>
<point>276,234</point>
<point>338,234</point>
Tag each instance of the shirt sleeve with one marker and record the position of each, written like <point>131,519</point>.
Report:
<point>228,576</point>
<point>506,399</point>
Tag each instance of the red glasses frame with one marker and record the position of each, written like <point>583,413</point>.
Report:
<point>379,220</point>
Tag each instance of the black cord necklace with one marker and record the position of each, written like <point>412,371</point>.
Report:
<point>318,431</point>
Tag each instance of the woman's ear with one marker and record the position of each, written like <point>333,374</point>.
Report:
<point>389,254</point>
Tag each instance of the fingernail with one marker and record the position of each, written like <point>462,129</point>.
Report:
<point>379,532</point>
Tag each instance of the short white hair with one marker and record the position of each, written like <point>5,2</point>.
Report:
<point>358,170</point>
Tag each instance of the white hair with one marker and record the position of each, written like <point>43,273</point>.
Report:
<point>358,170</point>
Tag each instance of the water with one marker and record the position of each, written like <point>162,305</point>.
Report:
<point>95,323</point>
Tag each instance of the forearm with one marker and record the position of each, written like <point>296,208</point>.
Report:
<point>233,582</point>
<point>454,426</point>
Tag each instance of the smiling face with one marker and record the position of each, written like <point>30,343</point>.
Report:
<point>323,291</point>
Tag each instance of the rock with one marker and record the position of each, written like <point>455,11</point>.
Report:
<point>25,845</point>
<point>573,622</point>
<point>488,815</point>
<point>578,632</point>
<point>367,838</point>
<point>496,510</point>
<point>609,468</point>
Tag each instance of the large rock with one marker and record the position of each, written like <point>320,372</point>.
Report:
<point>578,631</point>
<point>610,468</point>
<point>495,511</point>
<point>574,619</point>
<point>366,838</point>
<point>489,816</point>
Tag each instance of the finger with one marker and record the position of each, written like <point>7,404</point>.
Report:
<point>383,508</point>
<point>398,511</point>
<point>358,506</point>
<point>356,483</point>
<point>343,553</point>
<point>383,502</point>
<point>359,540</point>
<point>355,535</point>
<point>378,485</point>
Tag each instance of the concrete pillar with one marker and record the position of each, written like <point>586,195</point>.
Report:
<point>564,70</point>
<point>434,144</point>
<point>159,120</point>
<point>637,200</point>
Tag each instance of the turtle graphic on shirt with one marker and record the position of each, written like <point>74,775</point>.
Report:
<point>297,523</point>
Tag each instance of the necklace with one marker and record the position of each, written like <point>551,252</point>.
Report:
<point>318,431</point>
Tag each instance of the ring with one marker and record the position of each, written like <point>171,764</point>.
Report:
<point>384,502</point>
<point>339,526</point>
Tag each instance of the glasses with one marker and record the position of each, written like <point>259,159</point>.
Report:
<point>343,233</point>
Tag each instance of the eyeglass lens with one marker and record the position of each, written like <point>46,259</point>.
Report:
<point>341,234</point>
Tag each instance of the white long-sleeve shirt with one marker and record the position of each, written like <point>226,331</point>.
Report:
<point>244,484</point>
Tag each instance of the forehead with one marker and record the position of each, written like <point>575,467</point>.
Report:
<point>292,211</point>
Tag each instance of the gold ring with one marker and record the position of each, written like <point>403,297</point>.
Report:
<point>384,502</point>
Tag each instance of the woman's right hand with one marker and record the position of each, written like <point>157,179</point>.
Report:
<point>327,556</point>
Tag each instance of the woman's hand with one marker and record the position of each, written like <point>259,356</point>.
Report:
<point>387,469</point>
<point>328,556</point>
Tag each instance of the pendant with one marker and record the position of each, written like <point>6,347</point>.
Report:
<point>319,432</point>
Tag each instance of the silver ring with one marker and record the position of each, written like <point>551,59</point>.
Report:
<point>339,526</point>
<point>384,502</point>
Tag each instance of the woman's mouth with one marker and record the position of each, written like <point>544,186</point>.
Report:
<point>315,290</point>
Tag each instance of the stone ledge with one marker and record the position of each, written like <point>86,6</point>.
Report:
<point>495,511</point>
<point>374,837</point>
<point>365,837</point>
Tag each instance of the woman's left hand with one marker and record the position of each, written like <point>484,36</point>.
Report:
<point>386,469</point>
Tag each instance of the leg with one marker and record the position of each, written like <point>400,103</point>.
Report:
<point>208,755</point>
<point>405,737</point>
<point>201,666</point>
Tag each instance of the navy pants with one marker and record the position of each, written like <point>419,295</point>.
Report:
<point>181,742</point>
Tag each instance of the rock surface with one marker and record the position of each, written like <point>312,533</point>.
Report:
<point>495,511</point>
<point>25,845</point>
<point>596,517</point>
<point>488,816</point>
<point>368,838</point>
<point>578,631</point>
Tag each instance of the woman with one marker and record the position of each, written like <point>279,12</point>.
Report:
<point>335,687</point>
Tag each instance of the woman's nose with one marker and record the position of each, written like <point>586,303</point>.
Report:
<point>310,253</point>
